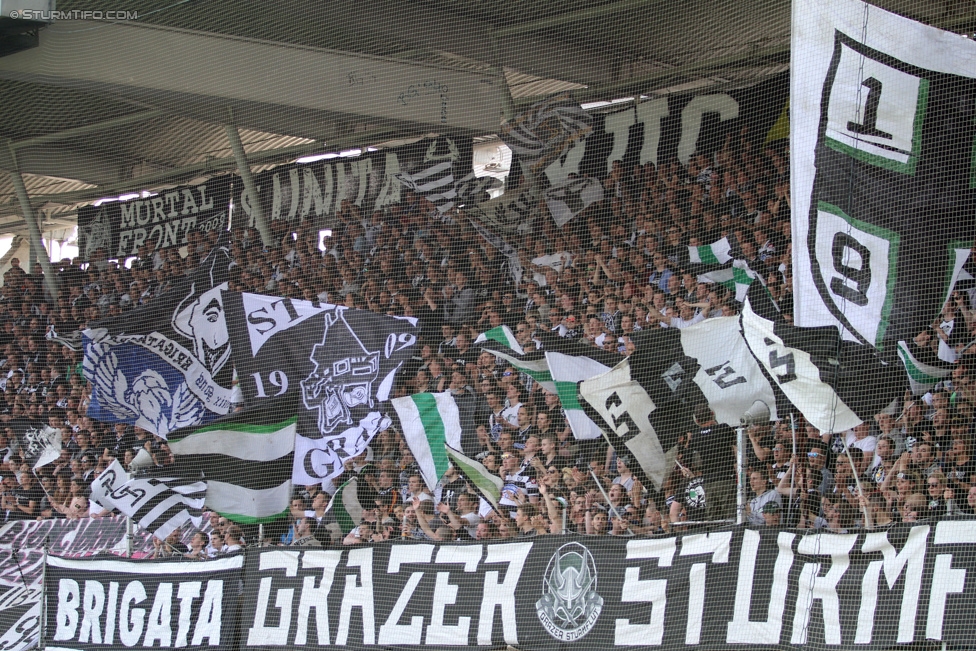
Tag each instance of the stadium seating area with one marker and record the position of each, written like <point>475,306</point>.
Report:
<point>614,270</point>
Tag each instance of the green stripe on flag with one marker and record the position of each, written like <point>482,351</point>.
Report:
<point>248,428</point>
<point>430,416</point>
<point>706,255</point>
<point>568,396</point>
<point>742,276</point>
<point>487,485</point>
<point>914,368</point>
<point>497,334</point>
<point>247,519</point>
<point>346,508</point>
<point>538,376</point>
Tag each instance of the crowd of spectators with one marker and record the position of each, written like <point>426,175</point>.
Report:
<point>612,271</point>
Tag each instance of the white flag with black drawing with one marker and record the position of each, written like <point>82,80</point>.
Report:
<point>728,374</point>
<point>110,480</point>
<point>39,443</point>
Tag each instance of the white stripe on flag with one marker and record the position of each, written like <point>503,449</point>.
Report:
<point>234,500</point>
<point>430,421</point>
<point>266,445</point>
<point>567,371</point>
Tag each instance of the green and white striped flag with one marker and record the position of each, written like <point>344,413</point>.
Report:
<point>718,252</point>
<point>345,506</point>
<point>736,277</point>
<point>488,485</point>
<point>246,459</point>
<point>430,421</point>
<point>567,371</point>
<point>533,364</point>
<point>503,335</point>
<point>922,377</point>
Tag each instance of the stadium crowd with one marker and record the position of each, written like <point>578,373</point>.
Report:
<point>612,271</point>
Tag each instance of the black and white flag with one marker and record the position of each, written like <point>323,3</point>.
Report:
<point>435,179</point>
<point>541,134</point>
<point>625,408</point>
<point>572,197</point>
<point>474,189</point>
<point>39,443</point>
<point>110,480</point>
<point>706,362</point>
<point>514,263</point>
<point>835,384</point>
<point>962,273</point>
<point>160,504</point>
<point>881,168</point>
<point>341,363</point>
<point>165,365</point>
<point>510,213</point>
<point>246,458</point>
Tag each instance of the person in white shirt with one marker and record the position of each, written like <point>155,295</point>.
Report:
<point>764,495</point>
<point>686,316</point>
<point>233,540</point>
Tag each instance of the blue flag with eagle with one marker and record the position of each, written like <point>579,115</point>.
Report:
<point>165,365</point>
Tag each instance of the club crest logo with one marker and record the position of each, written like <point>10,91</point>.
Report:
<point>570,605</point>
<point>341,381</point>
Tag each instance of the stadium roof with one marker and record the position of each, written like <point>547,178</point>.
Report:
<point>97,108</point>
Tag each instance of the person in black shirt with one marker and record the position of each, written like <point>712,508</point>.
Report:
<point>28,498</point>
<point>715,445</point>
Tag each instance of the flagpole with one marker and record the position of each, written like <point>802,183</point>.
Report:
<point>613,509</point>
<point>789,513</point>
<point>740,462</point>
<point>967,347</point>
<point>46,494</point>
<point>43,626</point>
<point>860,490</point>
<point>128,526</point>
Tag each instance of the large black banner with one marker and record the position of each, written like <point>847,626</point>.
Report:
<point>342,363</point>
<point>662,129</point>
<point>117,229</point>
<point>117,604</point>
<point>22,546</point>
<point>722,589</point>
<point>317,190</point>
